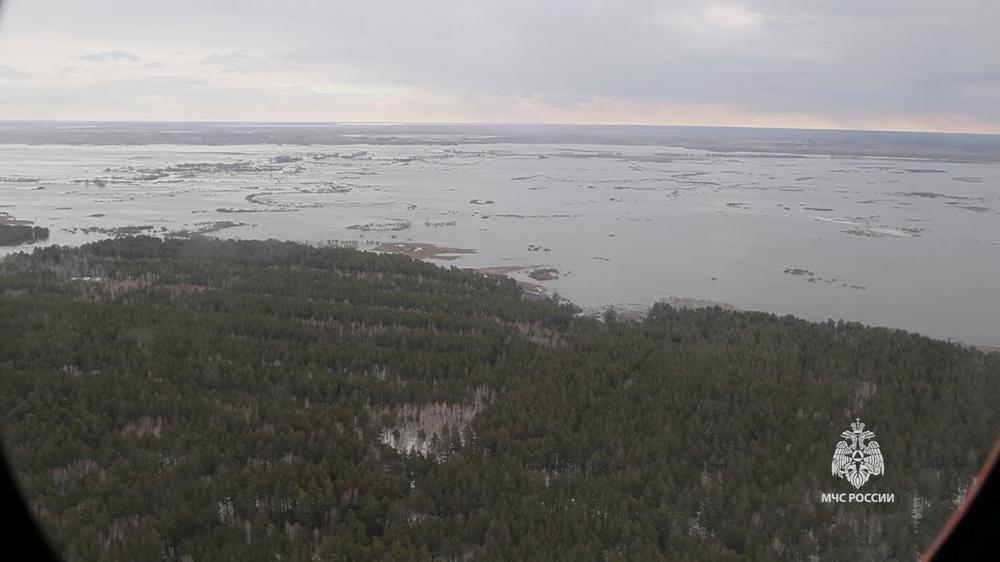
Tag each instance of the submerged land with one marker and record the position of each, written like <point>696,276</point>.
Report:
<point>16,235</point>
<point>894,229</point>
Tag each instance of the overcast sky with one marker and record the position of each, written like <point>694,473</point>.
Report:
<point>873,64</point>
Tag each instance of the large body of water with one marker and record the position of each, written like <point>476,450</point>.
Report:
<point>908,242</point>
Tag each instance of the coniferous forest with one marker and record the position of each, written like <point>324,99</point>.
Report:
<point>251,401</point>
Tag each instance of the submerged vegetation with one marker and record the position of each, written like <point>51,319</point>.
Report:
<point>15,234</point>
<point>204,399</point>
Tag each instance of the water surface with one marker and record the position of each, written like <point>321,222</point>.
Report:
<point>907,242</point>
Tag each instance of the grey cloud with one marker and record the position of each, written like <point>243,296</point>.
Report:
<point>841,58</point>
<point>233,61</point>
<point>8,71</point>
<point>244,63</point>
<point>844,59</point>
<point>111,56</point>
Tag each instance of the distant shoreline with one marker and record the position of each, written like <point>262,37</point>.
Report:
<point>433,254</point>
<point>931,146</point>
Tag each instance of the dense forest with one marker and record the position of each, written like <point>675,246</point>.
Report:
<point>251,401</point>
<point>14,234</point>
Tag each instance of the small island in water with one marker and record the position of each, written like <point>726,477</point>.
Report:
<point>16,234</point>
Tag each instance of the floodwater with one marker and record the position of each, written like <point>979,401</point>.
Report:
<point>904,243</point>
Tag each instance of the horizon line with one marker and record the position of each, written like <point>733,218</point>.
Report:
<point>507,123</point>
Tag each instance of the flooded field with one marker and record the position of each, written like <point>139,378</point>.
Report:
<point>910,243</point>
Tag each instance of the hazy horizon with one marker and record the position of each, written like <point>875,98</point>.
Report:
<point>498,123</point>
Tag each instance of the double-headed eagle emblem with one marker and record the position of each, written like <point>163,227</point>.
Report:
<point>855,460</point>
